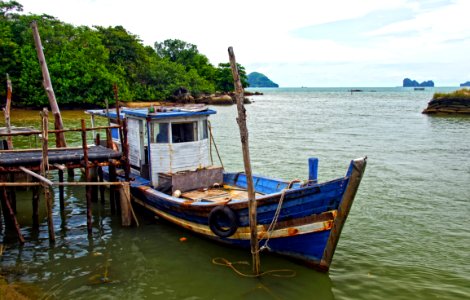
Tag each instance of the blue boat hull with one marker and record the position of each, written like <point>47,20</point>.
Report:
<point>306,226</point>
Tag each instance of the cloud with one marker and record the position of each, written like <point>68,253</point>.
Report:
<point>354,30</point>
<point>298,42</point>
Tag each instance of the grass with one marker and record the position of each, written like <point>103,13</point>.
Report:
<point>462,94</point>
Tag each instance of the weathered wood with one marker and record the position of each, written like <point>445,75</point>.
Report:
<point>107,111</point>
<point>59,166</point>
<point>125,197</point>
<point>109,139</point>
<point>37,176</point>
<point>44,171</point>
<point>112,190</point>
<point>13,217</point>
<point>72,183</point>
<point>35,201</point>
<point>6,216</point>
<point>359,165</point>
<point>37,132</point>
<point>60,138</point>
<point>88,178</point>
<point>241,120</point>
<point>6,111</point>
<point>102,187</point>
<point>125,151</point>
<point>94,188</point>
<point>61,191</point>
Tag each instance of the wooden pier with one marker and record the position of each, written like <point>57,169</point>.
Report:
<point>36,164</point>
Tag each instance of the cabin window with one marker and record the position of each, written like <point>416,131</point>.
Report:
<point>161,133</point>
<point>204,129</point>
<point>184,132</point>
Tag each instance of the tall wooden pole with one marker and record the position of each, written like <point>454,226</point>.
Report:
<point>6,111</point>
<point>88,179</point>
<point>44,171</point>
<point>58,124</point>
<point>241,120</point>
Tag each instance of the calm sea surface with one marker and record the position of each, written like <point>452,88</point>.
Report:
<point>407,236</point>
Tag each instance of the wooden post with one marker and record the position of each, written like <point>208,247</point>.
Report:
<point>13,217</point>
<point>102,187</point>
<point>107,111</point>
<point>125,196</point>
<point>44,170</point>
<point>241,120</point>
<point>88,178</point>
<point>61,191</point>
<point>112,173</point>
<point>125,151</point>
<point>58,124</point>
<point>35,201</point>
<point>6,216</point>
<point>6,112</point>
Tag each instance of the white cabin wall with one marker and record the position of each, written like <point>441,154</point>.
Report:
<point>135,140</point>
<point>171,158</point>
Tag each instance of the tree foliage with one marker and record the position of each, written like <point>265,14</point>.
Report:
<point>85,62</point>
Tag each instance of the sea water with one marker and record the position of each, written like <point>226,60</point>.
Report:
<point>407,236</point>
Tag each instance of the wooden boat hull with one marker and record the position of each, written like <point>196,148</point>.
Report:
<point>308,224</point>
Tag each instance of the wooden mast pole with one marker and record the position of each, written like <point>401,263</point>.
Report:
<point>6,112</point>
<point>58,124</point>
<point>241,120</point>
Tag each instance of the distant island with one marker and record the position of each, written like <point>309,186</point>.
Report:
<point>465,84</point>
<point>413,83</point>
<point>457,102</point>
<point>256,79</point>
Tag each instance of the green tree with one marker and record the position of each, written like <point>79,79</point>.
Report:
<point>7,7</point>
<point>224,77</point>
<point>187,54</point>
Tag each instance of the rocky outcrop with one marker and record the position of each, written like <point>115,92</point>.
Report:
<point>256,79</point>
<point>457,102</point>
<point>413,83</point>
<point>219,99</point>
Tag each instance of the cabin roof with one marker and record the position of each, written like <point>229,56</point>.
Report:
<point>167,113</point>
<point>160,112</point>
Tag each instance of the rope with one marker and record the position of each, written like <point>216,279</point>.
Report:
<point>276,216</point>
<point>285,273</point>
<point>215,145</point>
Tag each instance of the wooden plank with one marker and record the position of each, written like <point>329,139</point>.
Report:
<point>241,120</point>
<point>37,176</point>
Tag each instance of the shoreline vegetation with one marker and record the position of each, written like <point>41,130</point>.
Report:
<point>86,62</point>
<point>457,102</point>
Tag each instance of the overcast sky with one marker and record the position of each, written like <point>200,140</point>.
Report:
<point>300,43</point>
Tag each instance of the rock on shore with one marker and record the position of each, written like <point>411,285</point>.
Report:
<point>457,102</point>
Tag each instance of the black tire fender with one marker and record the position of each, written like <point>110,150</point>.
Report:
<point>226,216</point>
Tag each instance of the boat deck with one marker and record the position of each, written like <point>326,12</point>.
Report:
<point>217,194</point>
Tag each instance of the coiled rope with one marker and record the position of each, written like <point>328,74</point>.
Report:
<point>285,273</point>
<point>275,273</point>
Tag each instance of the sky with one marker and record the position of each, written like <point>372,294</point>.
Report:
<point>311,43</point>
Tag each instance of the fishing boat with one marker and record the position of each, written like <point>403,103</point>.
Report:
<point>173,176</point>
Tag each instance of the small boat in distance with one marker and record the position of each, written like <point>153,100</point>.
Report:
<point>419,89</point>
<point>172,175</point>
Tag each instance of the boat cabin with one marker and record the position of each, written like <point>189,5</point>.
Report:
<point>170,146</point>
